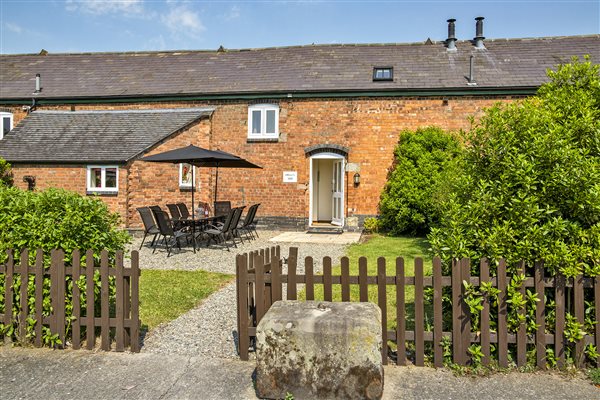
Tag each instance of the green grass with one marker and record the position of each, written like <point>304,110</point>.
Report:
<point>165,295</point>
<point>389,247</point>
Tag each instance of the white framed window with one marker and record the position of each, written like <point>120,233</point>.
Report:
<point>187,175</point>
<point>102,178</point>
<point>6,123</point>
<point>263,121</point>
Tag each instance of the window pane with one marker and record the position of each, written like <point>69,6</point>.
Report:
<point>111,178</point>
<point>5,125</point>
<point>256,121</point>
<point>96,177</point>
<point>270,121</point>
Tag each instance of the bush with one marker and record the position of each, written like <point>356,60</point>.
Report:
<point>531,186</point>
<point>54,219</point>
<point>6,177</point>
<point>413,196</point>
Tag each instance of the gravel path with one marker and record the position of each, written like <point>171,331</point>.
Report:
<point>209,330</point>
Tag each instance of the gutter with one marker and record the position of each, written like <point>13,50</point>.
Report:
<point>489,91</point>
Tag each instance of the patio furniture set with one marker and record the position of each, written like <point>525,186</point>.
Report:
<point>224,227</point>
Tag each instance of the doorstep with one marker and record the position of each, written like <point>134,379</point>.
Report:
<point>323,238</point>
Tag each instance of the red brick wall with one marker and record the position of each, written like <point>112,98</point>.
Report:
<point>368,127</point>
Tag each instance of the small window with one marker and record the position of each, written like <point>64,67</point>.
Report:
<point>263,121</point>
<point>383,74</point>
<point>102,179</point>
<point>6,125</point>
<point>187,173</point>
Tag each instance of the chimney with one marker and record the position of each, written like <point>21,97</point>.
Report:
<point>38,83</point>
<point>479,33</point>
<point>451,41</point>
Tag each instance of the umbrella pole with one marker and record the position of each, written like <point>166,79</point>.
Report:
<point>193,211</point>
<point>216,182</point>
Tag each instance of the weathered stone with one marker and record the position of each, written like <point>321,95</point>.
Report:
<point>320,350</point>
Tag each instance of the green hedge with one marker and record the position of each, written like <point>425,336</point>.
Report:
<point>54,219</point>
<point>425,163</point>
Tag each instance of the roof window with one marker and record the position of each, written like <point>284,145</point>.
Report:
<point>383,73</point>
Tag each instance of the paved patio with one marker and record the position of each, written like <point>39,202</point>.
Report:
<point>318,238</point>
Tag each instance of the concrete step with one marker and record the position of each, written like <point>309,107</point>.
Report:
<point>326,229</point>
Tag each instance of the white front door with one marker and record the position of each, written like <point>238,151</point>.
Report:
<point>338,193</point>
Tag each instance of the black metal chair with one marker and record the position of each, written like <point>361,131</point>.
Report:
<point>167,231</point>
<point>150,226</point>
<point>222,208</point>
<point>223,232</point>
<point>248,224</point>
<point>183,211</point>
<point>174,210</point>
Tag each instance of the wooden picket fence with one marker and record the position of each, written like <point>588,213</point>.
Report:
<point>123,319</point>
<point>260,283</point>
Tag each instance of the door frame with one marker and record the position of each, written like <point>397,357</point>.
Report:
<point>327,156</point>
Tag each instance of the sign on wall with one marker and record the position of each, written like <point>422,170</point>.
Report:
<point>290,176</point>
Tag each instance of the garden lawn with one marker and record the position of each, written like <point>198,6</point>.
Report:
<point>165,295</point>
<point>389,247</point>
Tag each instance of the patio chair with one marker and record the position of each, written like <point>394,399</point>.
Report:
<point>248,224</point>
<point>222,208</point>
<point>223,232</point>
<point>183,211</point>
<point>174,210</point>
<point>150,227</point>
<point>167,231</point>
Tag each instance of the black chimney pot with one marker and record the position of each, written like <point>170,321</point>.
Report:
<point>451,41</point>
<point>479,33</point>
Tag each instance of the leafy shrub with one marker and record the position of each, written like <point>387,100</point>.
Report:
<point>6,177</point>
<point>54,219</point>
<point>413,196</point>
<point>372,225</point>
<point>531,183</point>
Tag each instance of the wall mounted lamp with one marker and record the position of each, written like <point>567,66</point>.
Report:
<point>356,179</point>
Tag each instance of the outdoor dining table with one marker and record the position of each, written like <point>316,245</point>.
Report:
<point>199,224</point>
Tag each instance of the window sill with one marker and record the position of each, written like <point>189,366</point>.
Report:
<point>102,193</point>
<point>263,140</point>
<point>187,189</point>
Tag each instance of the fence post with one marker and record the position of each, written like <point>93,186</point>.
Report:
<point>382,300</point>
<point>465,268</point>
<point>362,279</point>
<point>24,314</point>
<point>484,276</point>
<point>120,300</point>
<point>540,316</point>
<point>242,292</point>
<point>579,307</point>
<point>90,333</point>
<point>276,289</point>
<point>310,279</point>
<point>39,296</point>
<point>438,356</point>
<point>292,293</point>
<point>259,272</point>
<point>76,326</point>
<point>327,291</point>
<point>104,304</point>
<point>8,292</point>
<point>502,314</point>
<point>522,331</point>
<point>419,314</point>
<point>457,315</point>
<point>400,313</point>
<point>345,278</point>
<point>559,339</point>
<point>135,302</point>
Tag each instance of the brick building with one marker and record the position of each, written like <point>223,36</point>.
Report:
<point>321,120</point>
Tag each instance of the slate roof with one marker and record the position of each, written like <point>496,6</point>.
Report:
<point>93,136</point>
<point>505,63</point>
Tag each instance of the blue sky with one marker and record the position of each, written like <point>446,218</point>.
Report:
<point>137,25</point>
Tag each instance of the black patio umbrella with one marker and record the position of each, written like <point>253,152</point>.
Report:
<point>199,157</point>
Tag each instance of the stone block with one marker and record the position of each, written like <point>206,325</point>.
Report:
<point>320,350</point>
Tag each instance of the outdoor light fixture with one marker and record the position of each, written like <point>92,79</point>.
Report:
<point>356,179</point>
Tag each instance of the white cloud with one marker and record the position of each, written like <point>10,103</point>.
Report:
<point>181,20</point>
<point>99,7</point>
<point>157,43</point>
<point>234,13</point>
<point>13,27</point>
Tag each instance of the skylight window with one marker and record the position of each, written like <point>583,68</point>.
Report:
<point>383,74</point>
